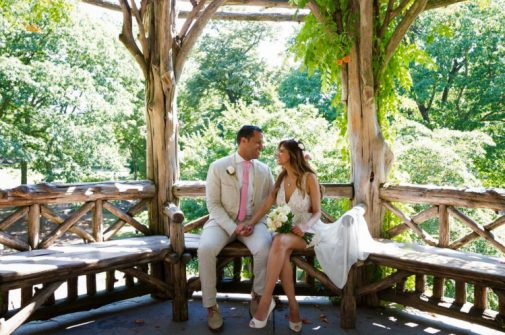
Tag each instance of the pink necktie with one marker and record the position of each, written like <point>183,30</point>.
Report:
<point>246,165</point>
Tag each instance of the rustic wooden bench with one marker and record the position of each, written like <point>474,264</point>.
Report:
<point>59,264</point>
<point>408,260</point>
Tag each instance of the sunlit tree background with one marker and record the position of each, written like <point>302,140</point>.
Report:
<point>72,106</point>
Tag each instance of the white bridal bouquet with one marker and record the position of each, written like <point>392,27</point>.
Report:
<point>280,220</point>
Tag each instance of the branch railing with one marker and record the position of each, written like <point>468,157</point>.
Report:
<point>35,221</point>
<point>444,203</point>
<point>29,205</point>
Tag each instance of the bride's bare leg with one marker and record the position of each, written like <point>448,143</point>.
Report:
<point>288,286</point>
<point>281,248</point>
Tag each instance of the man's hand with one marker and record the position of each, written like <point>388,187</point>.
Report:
<point>248,229</point>
<point>244,229</point>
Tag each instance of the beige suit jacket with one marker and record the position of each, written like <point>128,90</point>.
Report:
<point>223,191</point>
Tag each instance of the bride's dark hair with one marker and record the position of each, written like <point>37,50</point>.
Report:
<point>297,160</point>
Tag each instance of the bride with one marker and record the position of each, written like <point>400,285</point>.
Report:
<point>337,245</point>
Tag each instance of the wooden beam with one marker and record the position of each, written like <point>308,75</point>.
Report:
<point>125,217</point>
<point>49,214</point>
<point>52,193</point>
<point>420,232</point>
<point>134,210</point>
<point>473,235</point>
<point>197,223</point>
<point>419,218</point>
<point>13,218</point>
<point>457,197</point>
<point>66,225</point>
<point>7,327</point>
<point>151,281</point>
<point>383,283</point>
<point>477,228</point>
<point>13,242</point>
<point>108,4</point>
<point>313,272</point>
<point>194,189</point>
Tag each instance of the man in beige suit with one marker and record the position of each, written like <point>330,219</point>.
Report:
<point>236,185</point>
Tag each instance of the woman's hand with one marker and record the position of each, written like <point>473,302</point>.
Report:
<point>298,231</point>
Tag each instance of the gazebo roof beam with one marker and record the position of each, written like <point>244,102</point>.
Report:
<point>431,4</point>
<point>114,5</point>
<point>253,16</point>
<point>222,15</point>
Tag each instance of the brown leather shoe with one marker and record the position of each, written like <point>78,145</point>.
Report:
<point>214,319</point>
<point>253,305</point>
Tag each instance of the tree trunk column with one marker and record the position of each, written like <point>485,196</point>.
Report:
<point>162,160</point>
<point>369,152</point>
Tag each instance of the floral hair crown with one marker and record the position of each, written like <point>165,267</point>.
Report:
<point>299,144</point>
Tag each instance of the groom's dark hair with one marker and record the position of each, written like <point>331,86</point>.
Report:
<point>247,132</point>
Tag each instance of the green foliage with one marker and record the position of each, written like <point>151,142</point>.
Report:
<point>465,90</point>
<point>224,68</point>
<point>277,122</point>
<point>30,14</point>
<point>439,156</point>
<point>65,88</point>
<point>318,46</point>
<point>298,87</point>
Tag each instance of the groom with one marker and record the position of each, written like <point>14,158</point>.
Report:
<point>236,185</point>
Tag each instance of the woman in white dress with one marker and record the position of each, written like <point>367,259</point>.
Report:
<point>337,245</point>
<point>296,186</point>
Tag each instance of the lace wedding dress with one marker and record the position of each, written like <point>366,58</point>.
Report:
<point>338,245</point>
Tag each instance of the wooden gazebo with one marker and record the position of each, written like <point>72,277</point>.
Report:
<point>156,262</point>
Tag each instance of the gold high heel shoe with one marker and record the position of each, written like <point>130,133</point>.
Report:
<point>255,323</point>
<point>296,326</point>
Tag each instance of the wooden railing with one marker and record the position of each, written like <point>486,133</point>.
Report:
<point>30,209</point>
<point>31,204</point>
<point>443,204</point>
<point>35,220</point>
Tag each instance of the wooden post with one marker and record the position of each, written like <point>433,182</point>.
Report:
<point>50,298</point>
<point>237,269</point>
<point>480,297</point>
<point>460,298</point>
<point>98,221</point>
<point>26,295</point>
<point>91,284</point>
<point>129,281</point>
<point>443,242</point>
<point>34,226</point>
<point>180,302</point>
<point>72,288</point>
<point>4,302</point>
<point>110,280</point>
<point>501,302</point>
<point>348,303</point>
<point>420,283</point>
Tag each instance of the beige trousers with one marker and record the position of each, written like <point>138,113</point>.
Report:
<point>213,240</point>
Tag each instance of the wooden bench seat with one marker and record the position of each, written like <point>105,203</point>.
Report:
<point>57,264</point>
<point>443,262</point>
<point>234,249</point>
<point>408,259</point>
